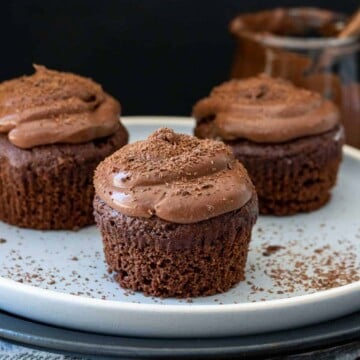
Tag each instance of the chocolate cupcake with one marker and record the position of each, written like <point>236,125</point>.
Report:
<point>289,139</point>
<point>55,128</point>
<point>175,214</point>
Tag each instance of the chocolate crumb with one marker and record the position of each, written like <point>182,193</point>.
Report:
<point>272,249</point>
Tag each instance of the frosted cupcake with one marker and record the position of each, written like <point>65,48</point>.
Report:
<point>55,128</point>
<point>176,215</point>
<point>288,138</point>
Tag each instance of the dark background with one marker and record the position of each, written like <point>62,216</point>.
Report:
<point>156,56</point>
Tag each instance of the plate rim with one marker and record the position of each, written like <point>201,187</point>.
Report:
<point>188,120</point>
<point>46,341</point>
<point>183,308</point>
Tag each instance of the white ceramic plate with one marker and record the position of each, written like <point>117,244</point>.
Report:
<point>60,278</point>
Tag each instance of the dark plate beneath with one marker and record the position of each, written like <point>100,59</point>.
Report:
<point>56,339</point>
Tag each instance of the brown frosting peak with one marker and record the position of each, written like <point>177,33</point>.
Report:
<point>265,109</point>
<point>176,177</point>
<point>55,107</point>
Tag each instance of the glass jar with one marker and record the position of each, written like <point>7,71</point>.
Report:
<point>299,44</point>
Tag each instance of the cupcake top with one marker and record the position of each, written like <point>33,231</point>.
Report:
<point>51,107</point>
<point>175,177</point>
<point>265,110</point>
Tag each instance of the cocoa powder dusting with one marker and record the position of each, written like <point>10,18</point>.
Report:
<point>292,267</point>
<point>324,268</point>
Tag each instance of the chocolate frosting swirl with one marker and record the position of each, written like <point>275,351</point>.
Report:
<point>54,107</point>
<point>264,109</point>
<point>177,178</point>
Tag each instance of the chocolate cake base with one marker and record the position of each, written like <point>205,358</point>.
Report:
<point>50,186</point>
<point>292,177</point>
<point>166,259</point>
